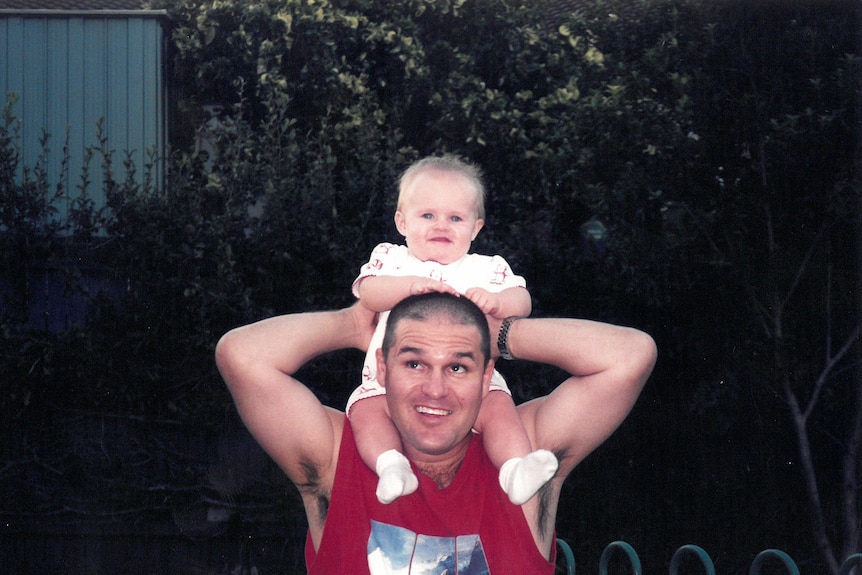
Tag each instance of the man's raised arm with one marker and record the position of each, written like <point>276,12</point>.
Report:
<point>257,362</point>
<point>609,366</point>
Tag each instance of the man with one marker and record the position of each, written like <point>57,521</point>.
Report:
<point>435,365</point>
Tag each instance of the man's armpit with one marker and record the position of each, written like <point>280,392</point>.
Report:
<point>547,501</point>
<point>316,498</point>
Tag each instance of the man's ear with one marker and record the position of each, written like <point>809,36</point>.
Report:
<point>476,227</point>
<point>399,223</point>
<point>381,368</point>
<point>486,378</point>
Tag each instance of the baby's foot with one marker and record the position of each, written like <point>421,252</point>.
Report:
<point>395,476</point>
<point>522,477</point>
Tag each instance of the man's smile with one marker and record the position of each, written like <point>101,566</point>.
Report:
<point>432,411</point>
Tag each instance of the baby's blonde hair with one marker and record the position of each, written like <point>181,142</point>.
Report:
<point>446,163</point>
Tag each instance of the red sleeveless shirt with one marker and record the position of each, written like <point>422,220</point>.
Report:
<point>468,527</point>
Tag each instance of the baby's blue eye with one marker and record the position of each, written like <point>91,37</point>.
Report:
<point>428,216</point>
<point>456,218</point>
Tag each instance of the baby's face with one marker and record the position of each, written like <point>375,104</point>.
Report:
<point>438,216</point>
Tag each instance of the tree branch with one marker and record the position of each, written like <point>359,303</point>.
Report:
<point>849,473</point>
<point>827,370</point>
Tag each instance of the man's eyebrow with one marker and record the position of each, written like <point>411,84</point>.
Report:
<point>409,349</point>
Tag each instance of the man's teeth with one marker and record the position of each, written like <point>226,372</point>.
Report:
<point>431,411</point>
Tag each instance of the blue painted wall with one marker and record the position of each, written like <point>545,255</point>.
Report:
<point>75,70</point>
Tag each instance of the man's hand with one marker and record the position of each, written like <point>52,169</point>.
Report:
<point>362,322</point>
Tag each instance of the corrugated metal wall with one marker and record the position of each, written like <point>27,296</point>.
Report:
<point>77,70</point>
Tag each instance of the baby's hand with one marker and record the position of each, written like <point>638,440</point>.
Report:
<point>427,285</point>
<point>488,302</point>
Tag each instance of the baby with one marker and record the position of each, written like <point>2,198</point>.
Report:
<point>440,211</point>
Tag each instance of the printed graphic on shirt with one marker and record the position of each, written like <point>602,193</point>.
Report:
<point>393,550</point>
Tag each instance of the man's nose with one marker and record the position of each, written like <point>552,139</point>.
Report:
<point>435,385</point>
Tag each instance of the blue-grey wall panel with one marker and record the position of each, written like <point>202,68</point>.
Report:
<point>134,83</point>
<point>96,86</point>
<point>75,109</point>
<point>118,63</point>
<point>4,48</point>
<point>154,95</point>
<point>77,73</point>
<point>35,83</point>
<point>13,42</point>
<point>57,92</point>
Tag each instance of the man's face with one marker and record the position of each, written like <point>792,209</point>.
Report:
<point>435,378</point>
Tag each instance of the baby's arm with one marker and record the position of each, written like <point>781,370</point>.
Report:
<point>381,293</point>
<point>513,301</point>
<point>522,471</point>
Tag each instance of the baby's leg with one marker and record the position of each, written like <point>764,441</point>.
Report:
<point>378,443</point>
<point>522,471</point>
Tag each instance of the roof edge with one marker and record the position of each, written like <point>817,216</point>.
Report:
<point>53,13</point>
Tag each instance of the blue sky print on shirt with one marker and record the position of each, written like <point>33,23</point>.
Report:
<point>394,550</point>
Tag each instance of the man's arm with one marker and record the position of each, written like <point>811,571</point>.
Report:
<point>609,366</point>
<point>257,362</point>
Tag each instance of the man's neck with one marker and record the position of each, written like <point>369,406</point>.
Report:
<point>442,475</point>
<point>443,472</point>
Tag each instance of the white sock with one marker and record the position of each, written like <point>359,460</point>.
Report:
<point>395,476</point>
<point>522,477</point>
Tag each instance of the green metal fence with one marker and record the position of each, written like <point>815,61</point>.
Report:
<point>768,556</point>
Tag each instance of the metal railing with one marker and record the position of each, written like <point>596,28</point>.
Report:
<point>764,557</point>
